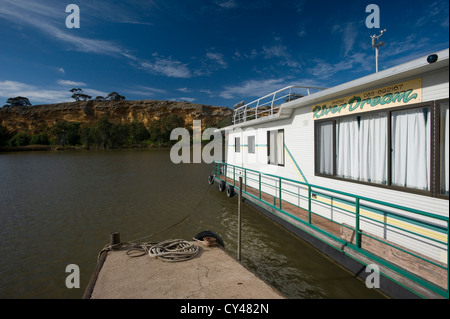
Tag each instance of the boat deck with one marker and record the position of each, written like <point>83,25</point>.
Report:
<point>212,274</point>
<point>369,242</point>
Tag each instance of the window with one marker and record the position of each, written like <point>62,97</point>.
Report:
<point>393,148</point>
<point>361,148</point>
<point>237,144</point>
<point>325,148</point>
<point>251,144</point>
<point>275,147</point>
<point>411,148</point>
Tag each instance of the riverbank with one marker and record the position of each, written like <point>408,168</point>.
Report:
<point>41,148</point>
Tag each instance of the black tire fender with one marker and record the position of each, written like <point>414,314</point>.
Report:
<point>222,186</point>
<point>209,233</point>
<point>230,190</point>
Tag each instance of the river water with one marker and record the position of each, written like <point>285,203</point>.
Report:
<point>59,208</point>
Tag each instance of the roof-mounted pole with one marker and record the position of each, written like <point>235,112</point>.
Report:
<point>376,43</point>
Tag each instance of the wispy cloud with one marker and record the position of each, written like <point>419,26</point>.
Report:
<point>38,94</point>
<point>43,17</point>
<point>281,52</point>
<point>217,58</point>
<point>166,66</point>
<point>142,90</point>
<point>226,4</point>
<point>33,93</point>
<point>70,83</point>
<point>252,88</point>
<point>349,33</point>
<point>323,70</point>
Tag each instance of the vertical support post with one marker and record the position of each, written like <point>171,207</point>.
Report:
<point>115,240</point>
<point>239,217</point>
<point>259,186</point>
<point>245,174</point>
<point>279,192</point>
<point>309,204</point>
<point>357,234</point>
<point>234,175</point>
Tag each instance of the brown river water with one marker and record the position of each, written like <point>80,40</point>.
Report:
<point>59,208</point>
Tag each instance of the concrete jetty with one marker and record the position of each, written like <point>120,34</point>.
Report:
<point>211,274</point>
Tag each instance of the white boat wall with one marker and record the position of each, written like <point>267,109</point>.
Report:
<point>382,138</point>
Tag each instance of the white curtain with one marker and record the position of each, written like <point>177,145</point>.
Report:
<point>373,148</point>
<point>325,151</point>
<point>444,148</point>
<point>348,148</point>
<point>280,148</point>
<point>272,147</point>
<point>411,148</point>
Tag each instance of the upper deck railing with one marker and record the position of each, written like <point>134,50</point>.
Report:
<point>270,103</point>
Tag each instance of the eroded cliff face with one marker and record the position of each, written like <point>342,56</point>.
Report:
<point>33,119</point>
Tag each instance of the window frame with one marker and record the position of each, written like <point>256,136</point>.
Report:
<point>253,138</point>
<point>269,147</point>
<point>434,142</point>
<point>237,144</point>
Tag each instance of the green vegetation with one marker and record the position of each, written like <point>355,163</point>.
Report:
<point>17,101</point>
<point>101,135</point>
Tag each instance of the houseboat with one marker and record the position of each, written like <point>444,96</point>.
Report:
<point>359,170</point>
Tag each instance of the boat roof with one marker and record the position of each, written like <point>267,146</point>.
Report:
<point>393,74</point>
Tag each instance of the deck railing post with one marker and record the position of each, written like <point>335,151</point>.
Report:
<point>309,204</point>
<point>279,190</point>
<point>234,175</point>
<point>245,176</point>
<point>239,217</point>
<point>357,233</point>
<point>259,187</point>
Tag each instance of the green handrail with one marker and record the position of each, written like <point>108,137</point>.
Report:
<point>357,202</point>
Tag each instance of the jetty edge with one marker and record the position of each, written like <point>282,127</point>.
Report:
<point>211,274</point>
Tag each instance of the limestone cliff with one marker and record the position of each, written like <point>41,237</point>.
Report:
<point>36,117</point>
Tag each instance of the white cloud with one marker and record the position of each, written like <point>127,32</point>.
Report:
<point>70,83</point>
<point>217,58</point>
<point>252,88</point>
<point>41,95</point>
<point>281,52</point>
<point>167,67</point>
<point>145,91</point>
<point>227,4</point>
<point>323,70</point>
<point>33,93</point>
<point>349,33</point>
<point>183,99</point>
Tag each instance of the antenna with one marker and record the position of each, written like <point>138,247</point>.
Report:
<point>376,43</point>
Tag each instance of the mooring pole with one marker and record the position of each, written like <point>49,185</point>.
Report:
<point>115,240</point>
<point>239,218</point>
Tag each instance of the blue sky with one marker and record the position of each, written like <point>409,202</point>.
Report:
<point>215,52</point>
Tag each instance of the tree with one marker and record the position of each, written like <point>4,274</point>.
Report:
<point>114,96</point>
<point>160,129</point>
<point>99,98</point>
<point>101,132</point>
<point>79,95</point>
<point>66,132</point>
<point>4,135</point>
<point>20,139</point>
<point>18,101</point>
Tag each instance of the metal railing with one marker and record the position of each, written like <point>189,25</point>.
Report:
<point>283,193</point>
<point>270,103</point>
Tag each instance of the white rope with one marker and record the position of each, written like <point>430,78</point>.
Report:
<point>173,250</point>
